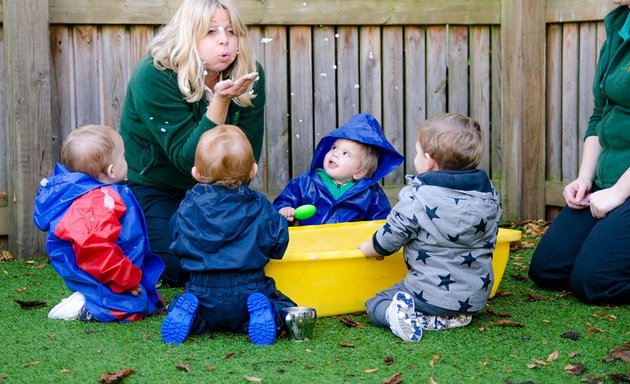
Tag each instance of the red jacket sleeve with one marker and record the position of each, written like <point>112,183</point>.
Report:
<point>92,225</point>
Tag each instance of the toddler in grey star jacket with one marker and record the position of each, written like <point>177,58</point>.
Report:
<point>446,219</point>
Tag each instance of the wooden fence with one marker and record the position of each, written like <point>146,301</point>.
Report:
<point>522,68</point>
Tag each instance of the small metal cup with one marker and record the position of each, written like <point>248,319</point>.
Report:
<point>300,322</point>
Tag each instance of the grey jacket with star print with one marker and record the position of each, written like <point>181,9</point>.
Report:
<point>447,223</point>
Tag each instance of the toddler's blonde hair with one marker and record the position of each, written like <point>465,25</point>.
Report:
<point>224,156</point>
<point>89,149</point>
<point>452,140</point>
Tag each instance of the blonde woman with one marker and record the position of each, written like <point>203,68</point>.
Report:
<point>200,72</point>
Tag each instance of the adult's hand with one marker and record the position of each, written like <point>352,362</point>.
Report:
<point>577,193</point>
<point>228,89</point>
<point>605,200</point>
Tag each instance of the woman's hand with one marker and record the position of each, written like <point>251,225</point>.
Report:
<point>604,201</point>
<point>227,89</point>
<point>576,193</point>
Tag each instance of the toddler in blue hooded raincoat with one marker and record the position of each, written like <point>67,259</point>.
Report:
<point>97,238</point>
<point>350,194</point>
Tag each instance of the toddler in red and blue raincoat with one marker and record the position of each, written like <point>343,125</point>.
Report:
<point>97,238</point>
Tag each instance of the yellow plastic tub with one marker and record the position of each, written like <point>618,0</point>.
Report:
<point>323,267</point>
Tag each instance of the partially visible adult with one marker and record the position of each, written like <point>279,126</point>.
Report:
<point>587,247</point>
<point>200,72</point>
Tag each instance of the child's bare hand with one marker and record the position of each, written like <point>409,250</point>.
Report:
<point>288,212</point>
<point>136,291</point>
<point>368,250</point>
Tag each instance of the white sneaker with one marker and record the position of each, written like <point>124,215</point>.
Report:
<point>68,308</point>
<point>401,315</point>
<point>439,323</point>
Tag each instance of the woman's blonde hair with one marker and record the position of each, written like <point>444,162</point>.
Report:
<point>224,156</point>
<point>175,48</point>
<point>452,140</point>
<point>89,149</point>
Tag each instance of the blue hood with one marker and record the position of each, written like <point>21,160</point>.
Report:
<point>57,192</point>
<point>363,128</point>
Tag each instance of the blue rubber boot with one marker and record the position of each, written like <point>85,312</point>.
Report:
<point>179,320</point>
<point>262,323</point>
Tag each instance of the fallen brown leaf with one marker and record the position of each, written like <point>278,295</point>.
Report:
<point>31,364</point>
<point>553,356</point>
<point>22,289</point>
<point>595,330</point>
<point>575,369</point>
<point>253,379</point>
<point>347,345</point>
<point>115,377</point>
<point>65,371</point>
<point>5,256</point>
<point>498,314</point>
<point>370,370</point>
<point>622,353</point>
<point>431,381</point>
<point>434,358</point>
<point>350,322</point>
<point>619,377</point>
<point>396,379</point>
<point>210,368</point>
<point>534,297</point>
<point>607,316</point>
<point>388,360</point>
<point>508,323</point>
<point>502,294</point>
<point>228,355</point>
<point>183,367</point>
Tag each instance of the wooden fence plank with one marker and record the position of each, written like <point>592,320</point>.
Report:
<point>436,70</point>
<point>587,65</point>
<point>277,121</point>
<point>301,98</point>
<point>115,74</point>
<point>393,92</point>
<point>457,67</point>
<point>140,36</point>
<point>88,69</point>
<point>496,91</point>
<point>4,145</point>
<point>259,183</point>
<point>370,65</point>
<point>570,73</point>
<point>28,128</point>
<point>324,78</point>
<point>479,95</point>
<point>553,166</point>
<point>63,85</point>
<point>523,113</point>
<point>347,73</point>
<point>415,90</point>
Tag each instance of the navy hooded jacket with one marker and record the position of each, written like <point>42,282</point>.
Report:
<point>366,200</point>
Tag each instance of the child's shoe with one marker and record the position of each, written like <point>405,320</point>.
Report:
<point>68,308</point>
<point>262,323</point>
<point>85,315</point>
<point>401,315</point>
<point>179,320</point>
<point>439,323</point>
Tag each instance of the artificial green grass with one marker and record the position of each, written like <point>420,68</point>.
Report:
<point>512,341</point>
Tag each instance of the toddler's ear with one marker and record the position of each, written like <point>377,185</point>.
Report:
<point>432,165</point>
<point>194,173</point>
<point>358,175</point>
<point>253,172</point>
<point>110,171</point>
